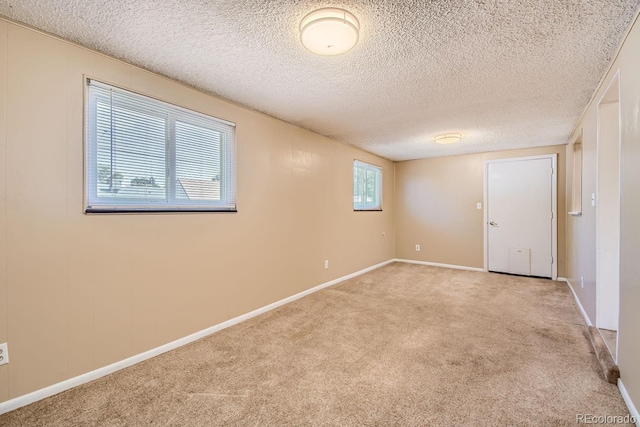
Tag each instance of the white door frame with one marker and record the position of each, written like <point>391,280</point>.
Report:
<point>599,308</point>
<point>554,207</point>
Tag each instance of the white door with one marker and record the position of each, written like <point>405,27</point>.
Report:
<point>520,216</point>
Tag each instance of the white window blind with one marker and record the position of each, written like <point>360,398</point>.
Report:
<point>147,155</point>
<point>367,187</point>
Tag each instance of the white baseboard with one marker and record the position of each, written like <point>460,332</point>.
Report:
<point>575,296</point>
<point>32,397</point>
<point>625,395</point>
<point>435,264</point>
<point>627,399</point>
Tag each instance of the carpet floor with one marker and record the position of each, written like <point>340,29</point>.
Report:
<point>403,345</point>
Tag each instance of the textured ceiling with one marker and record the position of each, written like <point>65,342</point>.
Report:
<point>504,73</point>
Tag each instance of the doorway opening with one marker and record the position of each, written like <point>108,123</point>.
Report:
<point>608,216</point>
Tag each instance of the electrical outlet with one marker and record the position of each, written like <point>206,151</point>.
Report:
<point>417,248</point>
<point>581,282</point>
<point>326,263</point>
<point>4,353</point>
<point>478,205</point>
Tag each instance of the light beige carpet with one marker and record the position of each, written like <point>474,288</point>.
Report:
<point>404,345</point>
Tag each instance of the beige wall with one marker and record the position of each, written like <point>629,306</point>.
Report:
<point>436,207</point>
<point>581,230</point>
<point>78,292</point>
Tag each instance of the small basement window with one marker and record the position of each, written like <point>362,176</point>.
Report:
<point>146,155</point>
<point>367,187</point>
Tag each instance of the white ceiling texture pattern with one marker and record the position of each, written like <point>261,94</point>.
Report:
<point>504,73</point>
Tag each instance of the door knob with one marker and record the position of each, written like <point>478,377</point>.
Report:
<point>495,224</point>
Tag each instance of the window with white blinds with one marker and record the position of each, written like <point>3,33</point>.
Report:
<point>146,155</point>
<point>367,187</point>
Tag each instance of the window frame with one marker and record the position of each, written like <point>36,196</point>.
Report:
<point>170,203</point>
<point>378,174</point>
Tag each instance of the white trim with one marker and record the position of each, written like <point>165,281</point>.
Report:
<point>578,162</point>
<point>575,296</point>
<point>34,396</point>
<point>436,264</point>
<point>554,222</point>
<point>627,399</point>
<point>614,79</point>
<point>554,206</point>
<point>485,216</point>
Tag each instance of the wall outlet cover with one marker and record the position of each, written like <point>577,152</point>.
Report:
<point>4,353</point>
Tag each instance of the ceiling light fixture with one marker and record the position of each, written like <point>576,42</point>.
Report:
<point>448,138</point>
<point>329,31</point>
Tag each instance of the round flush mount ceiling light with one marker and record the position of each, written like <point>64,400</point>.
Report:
<point>329,31</point>
<point>448,138</point>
